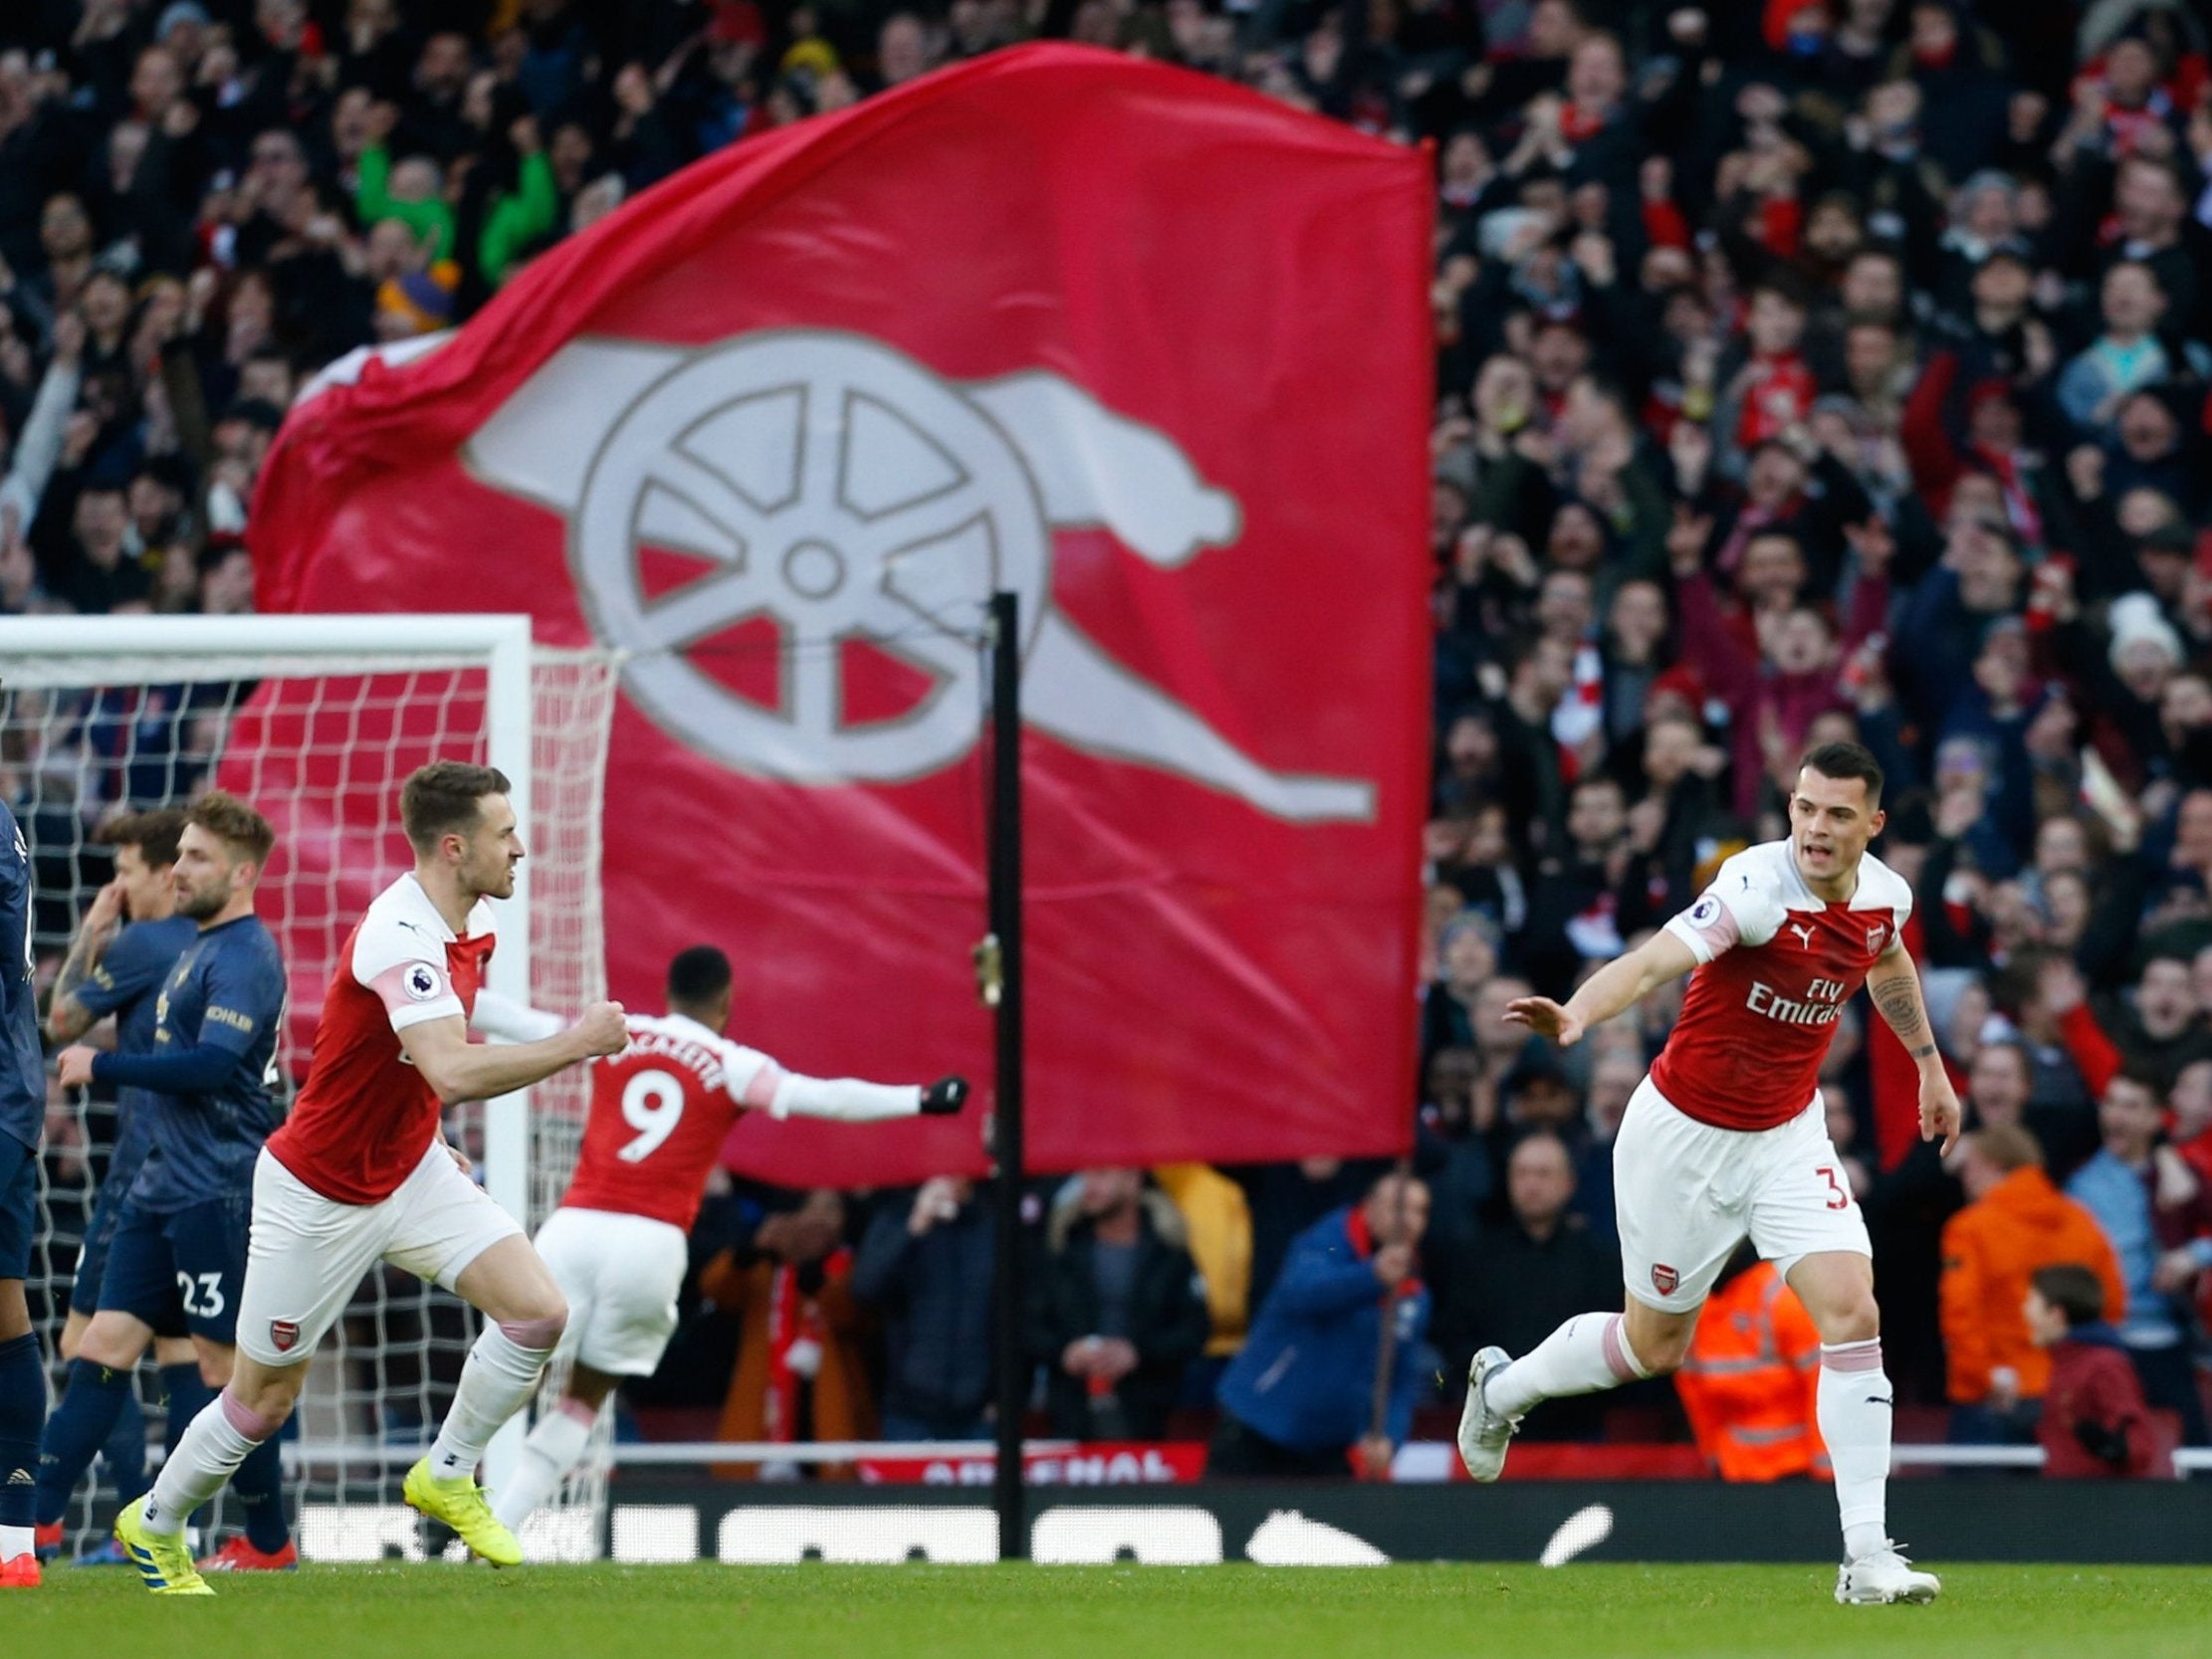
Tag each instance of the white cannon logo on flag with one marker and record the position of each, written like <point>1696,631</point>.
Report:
<point>844,490</point>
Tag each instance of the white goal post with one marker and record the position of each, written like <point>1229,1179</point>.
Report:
<point>316,719</point>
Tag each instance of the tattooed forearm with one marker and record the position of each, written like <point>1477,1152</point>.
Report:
<point>1897,996</point>
<point>68,1019</point>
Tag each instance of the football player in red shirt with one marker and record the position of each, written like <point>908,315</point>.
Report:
<point>1727,1136</point>
<point>361,1173</point>
<point>617,1245</point>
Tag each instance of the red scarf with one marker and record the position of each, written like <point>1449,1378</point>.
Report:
<point>2020,506</point>
<point>794,1318</point>
<point>1363,1246</point>
<point>1577,126</point>
<point>1779,396</point>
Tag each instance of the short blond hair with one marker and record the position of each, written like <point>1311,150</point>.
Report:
<point>247,834</point>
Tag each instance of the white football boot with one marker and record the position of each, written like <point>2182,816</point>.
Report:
<point>1882,1577</point>
<point>1483,1433</point>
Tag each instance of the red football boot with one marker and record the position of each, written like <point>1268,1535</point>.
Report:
<point>240,1556</point>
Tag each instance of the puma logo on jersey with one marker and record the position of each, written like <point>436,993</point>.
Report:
<point>1804,933</point>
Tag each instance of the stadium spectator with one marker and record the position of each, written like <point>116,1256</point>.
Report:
<point>1218,1222</point>
<point>1749,1379</point>
<point>1527,1273</point>
<point>1300,1398</point>
<point>2139,1191</point>
<point>1117,1309</point>
<point>1614,1076</point>
<point>2015,1223</point>
<point>801,1374</point>
<point>2094,1423</point>
<point>1284,1199</point>
<point>926,1266</point>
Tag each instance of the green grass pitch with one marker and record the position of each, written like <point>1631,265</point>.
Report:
<point>929,1612</point>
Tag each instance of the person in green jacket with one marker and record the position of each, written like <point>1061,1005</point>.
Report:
<point>409,191</point>
<point>518,217</point>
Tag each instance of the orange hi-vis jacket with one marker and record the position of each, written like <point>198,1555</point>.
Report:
<point>1749,1383</point>
<point>1991,1249</point>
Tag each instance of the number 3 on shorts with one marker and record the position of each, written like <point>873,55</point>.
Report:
<point>1839,1196</point>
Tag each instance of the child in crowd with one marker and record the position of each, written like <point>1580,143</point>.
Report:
<point>2094,1423</point>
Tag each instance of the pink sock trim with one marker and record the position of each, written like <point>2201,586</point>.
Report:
<point>534,1333</point>
<point>1619,1361</point>
<point>247,1421</point>
<point>1852,1357</point>
<point>588,1415</point>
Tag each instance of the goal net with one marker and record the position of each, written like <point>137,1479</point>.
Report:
<point>317,721</point>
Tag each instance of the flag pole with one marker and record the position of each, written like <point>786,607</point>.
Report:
<point>1013,1386</point>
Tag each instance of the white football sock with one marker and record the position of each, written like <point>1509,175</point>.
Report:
<point>14,1542</point>
<point>550,1452</point>
<point>1854,1407</point>
<point>1589,1352</point>
<point>496,1382</point>
<point>208,1453</point>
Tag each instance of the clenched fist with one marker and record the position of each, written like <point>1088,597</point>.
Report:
<point>945,1096</point>
<point>604,1029</point>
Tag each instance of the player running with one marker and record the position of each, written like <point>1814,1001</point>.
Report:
<point>1727,1136</point>
<point>22,1121</point>
<point>130,939</point>
<point>177,1260</point>
<point>660,1112</point>
<point>361,1173</point>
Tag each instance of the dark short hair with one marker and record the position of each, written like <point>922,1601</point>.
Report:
<point>441,800</point>
<point>153,832</point>
<point>2142,1076</point>
<point>698,975</point>
<point>1533,1136</point>
<point>2075,1290</point>
<point>236,825</point>
<point>1847,761</point>
<point>1785,286</point>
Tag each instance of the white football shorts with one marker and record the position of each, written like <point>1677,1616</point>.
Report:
<point>620,1274</point>
<point>1687,1193</point>
<point>307,1253</point>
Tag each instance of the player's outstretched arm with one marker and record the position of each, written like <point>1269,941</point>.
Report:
<point>847,1099</point>
<point>1614,989</point>
<point>1895,985</point>
<point>459,1070</point>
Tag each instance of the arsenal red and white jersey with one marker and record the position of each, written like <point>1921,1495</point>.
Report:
<point>660,1112</point>
<point>366,1117</point>
<point>1776,968</point>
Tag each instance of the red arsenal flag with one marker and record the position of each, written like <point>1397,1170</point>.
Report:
<point>1151,350</point>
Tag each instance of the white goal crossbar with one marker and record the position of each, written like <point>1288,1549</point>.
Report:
<point>84,650</point>
<point>475,681</point>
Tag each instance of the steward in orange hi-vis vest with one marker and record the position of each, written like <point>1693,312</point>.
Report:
<point>1748,1383</point>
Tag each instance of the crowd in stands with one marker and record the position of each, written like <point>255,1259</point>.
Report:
<point>1805,370</point>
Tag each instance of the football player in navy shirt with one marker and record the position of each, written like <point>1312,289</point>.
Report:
<point>116,967</point>
<point>178,1256</point>
<point>22,1119</point>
